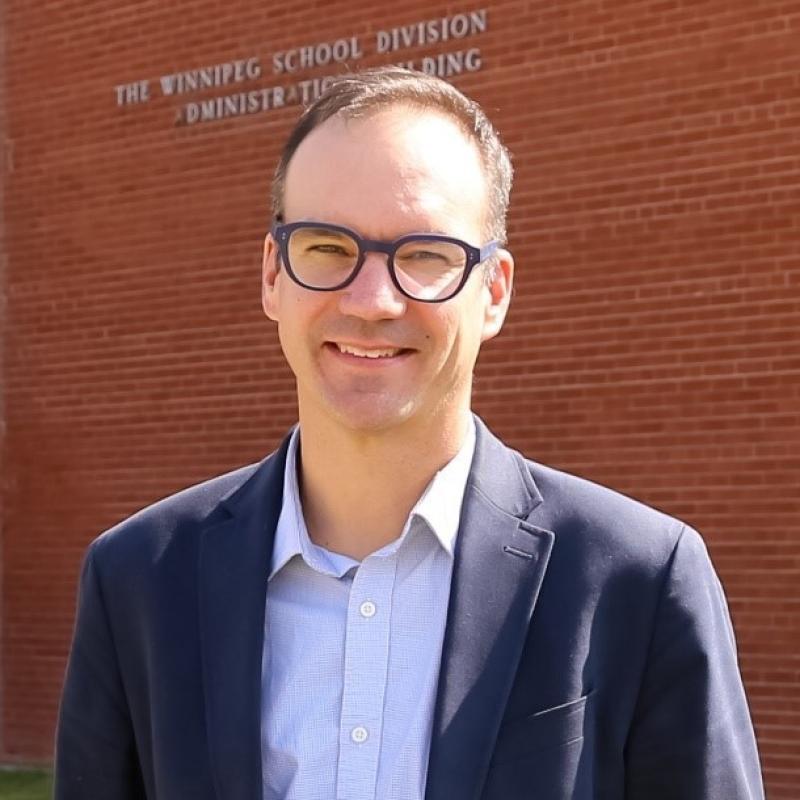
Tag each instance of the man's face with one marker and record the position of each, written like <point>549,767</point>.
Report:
<point>395,172</point>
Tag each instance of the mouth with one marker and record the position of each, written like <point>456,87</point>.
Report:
<point>372,354</point>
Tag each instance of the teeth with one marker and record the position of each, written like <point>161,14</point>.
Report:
<point>358,351</point>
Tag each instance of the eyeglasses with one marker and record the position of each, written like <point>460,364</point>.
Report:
<point>428,267</point>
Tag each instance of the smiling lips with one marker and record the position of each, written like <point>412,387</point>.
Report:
<point>369,352</point>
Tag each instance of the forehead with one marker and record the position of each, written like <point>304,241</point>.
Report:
<point>394,171</point>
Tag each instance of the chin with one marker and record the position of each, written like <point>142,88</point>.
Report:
<point>370,414</point>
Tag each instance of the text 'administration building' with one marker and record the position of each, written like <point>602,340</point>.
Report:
<point>653,341</point>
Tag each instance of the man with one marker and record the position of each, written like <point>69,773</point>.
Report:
<point>394,604</point>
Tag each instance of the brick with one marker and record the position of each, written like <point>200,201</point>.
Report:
<point>652,343</point>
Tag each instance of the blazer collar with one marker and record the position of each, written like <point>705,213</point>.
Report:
<point>500,562</point>
<point>235,554</point>
<point>499,565</point>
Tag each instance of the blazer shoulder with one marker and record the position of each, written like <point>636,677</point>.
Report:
<point>153,529</point>
<point>606,520</point>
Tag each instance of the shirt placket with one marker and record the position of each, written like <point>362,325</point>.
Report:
<point>366,667</point>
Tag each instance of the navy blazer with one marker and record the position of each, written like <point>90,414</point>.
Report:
<point>588,653</point>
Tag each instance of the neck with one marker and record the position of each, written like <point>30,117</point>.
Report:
<point>358,488</point>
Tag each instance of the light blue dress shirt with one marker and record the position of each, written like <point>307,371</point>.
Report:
<point>352,650</point>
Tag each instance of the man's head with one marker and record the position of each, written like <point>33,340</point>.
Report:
<point>359,95</point>
<point>385,347</point>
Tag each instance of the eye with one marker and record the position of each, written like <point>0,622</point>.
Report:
<point>430,254</point>
<point>322,243</point>
<point>328,248</point>
<point>424,255</point>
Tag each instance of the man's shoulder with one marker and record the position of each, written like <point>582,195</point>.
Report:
<point>182,515</point>
<point>588,515</point>
<point>577,494</point>
<point>586,518</point>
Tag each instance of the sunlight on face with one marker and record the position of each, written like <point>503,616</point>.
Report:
<point>396,172</point>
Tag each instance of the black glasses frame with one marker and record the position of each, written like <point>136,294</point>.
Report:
<point>282,232</point>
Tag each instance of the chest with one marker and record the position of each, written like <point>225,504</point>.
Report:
<point>349,675</point>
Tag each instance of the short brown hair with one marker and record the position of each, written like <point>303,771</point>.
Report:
<point>361,93</point>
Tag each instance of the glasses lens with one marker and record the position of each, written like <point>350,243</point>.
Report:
<point>430,269</point>
<point>320,257</point>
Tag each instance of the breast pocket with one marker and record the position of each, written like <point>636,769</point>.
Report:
<point>546,755</point>
<point>551,727</point>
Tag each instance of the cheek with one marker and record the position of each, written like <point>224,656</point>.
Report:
<point>298,313</point>
<point>292,326</point>
<point>455,336</point>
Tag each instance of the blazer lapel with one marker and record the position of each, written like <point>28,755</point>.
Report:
<point>234,565</point>
<point>500,562</point>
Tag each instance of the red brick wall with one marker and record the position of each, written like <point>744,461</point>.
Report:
<point>653,343</point>
<point>2,349</point>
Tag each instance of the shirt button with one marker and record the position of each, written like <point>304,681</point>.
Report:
<point>368,609</point>
<point>359,734</point>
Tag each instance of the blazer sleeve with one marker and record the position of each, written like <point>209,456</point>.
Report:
<point>95,748</point>
<point>691,735</point>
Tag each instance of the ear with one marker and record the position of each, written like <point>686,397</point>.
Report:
<point>498,285</point>
<point>270,270</point>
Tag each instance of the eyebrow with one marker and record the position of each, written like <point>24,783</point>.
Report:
<point>325,227</point>
<point>326,230</point>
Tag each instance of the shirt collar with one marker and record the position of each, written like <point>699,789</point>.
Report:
<point>439,505</point>
<point>291,534</point>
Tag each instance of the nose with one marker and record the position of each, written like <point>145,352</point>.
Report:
<point>372,295</point>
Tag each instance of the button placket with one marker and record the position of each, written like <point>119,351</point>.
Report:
<point>366,663</point>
